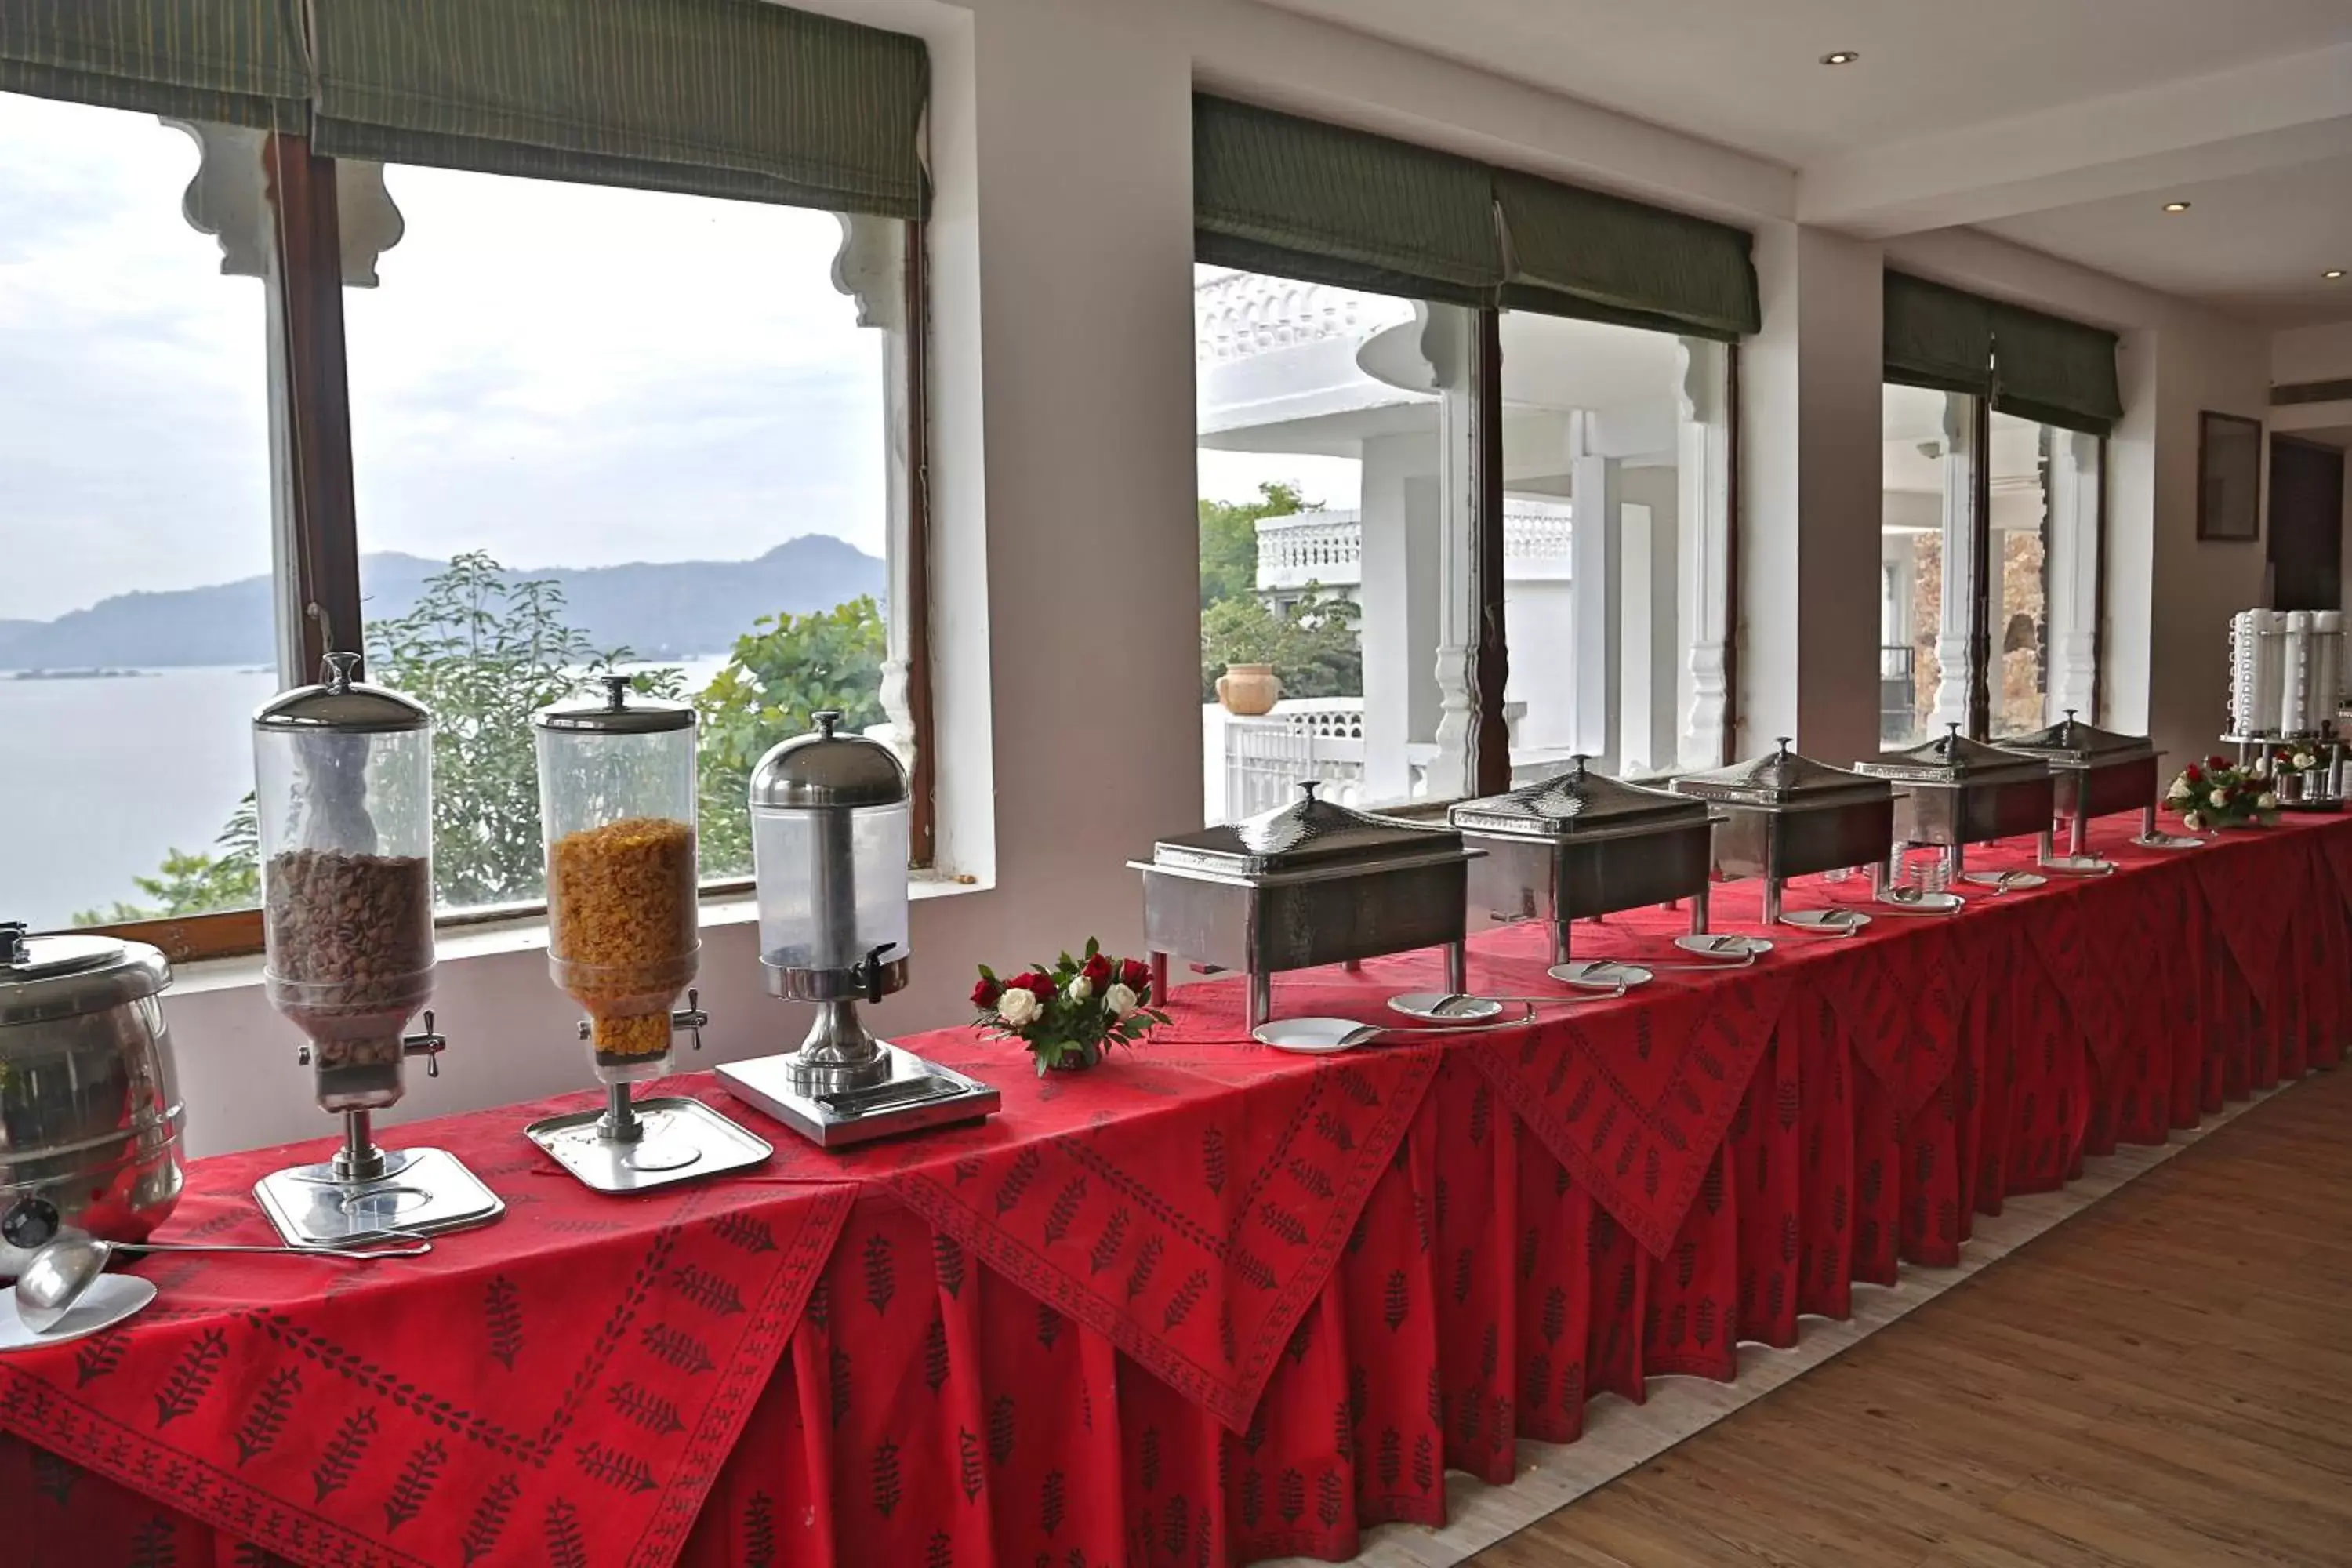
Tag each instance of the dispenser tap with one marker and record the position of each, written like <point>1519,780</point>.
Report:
<point>429,1044</point>
<point>690,1017</point>
<point>867,971</point>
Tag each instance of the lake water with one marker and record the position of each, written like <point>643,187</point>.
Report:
<point>100,778</point>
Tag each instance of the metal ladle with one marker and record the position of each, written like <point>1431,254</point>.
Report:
<point>57,1274</point>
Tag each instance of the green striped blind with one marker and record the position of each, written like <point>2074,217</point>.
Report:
<point>238,62</point>
<point>1937,337</point>
<point>725,98</point>
<point>2054,371</point>
<point>1273,192</point>
<point>1575,252</point>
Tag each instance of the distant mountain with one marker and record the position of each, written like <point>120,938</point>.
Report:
<point>658,609</point>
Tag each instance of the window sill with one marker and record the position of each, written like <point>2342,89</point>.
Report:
<point>525,933</point>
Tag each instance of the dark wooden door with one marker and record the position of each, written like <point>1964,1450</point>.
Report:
<point>2306,525</point>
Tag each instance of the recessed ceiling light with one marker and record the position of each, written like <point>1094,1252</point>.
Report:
<point>1841,57</point>
<point>2176,206</point>
<point>2333,273</point>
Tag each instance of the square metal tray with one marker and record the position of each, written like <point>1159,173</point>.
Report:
<point>918,1094</point>
<point>685,1141</point>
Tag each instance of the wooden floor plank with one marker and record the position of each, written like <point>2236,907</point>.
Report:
<point>2165,1382</point>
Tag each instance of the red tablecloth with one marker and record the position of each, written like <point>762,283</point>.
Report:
<point>1207,1304</point>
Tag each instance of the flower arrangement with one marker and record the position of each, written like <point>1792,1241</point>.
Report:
<point>2216,794</point>
<point>1066,1015</point>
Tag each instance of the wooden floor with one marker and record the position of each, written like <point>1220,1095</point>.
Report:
<point>2164,1380</point>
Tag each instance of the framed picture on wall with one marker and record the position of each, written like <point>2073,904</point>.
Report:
<point>2228,476</point>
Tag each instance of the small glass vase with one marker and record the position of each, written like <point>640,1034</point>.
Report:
<point>1074,1055</point>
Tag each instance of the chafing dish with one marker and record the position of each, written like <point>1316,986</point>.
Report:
<point>1305,884</point>
<point>1957,792</point>
<point>1788,815</point>
<point>2097,773</point>
<point>89,1109</point>
<point>1583,843</point>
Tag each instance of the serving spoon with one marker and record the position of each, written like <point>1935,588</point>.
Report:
<point>58,1273</point>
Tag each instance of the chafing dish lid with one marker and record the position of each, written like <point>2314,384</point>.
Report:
<point>1576,803</point>
<point>1782,779</point>
<point>1952,759</point>
<point>47,977</point>
<point>2073,743</point>
<point>1306,832</point>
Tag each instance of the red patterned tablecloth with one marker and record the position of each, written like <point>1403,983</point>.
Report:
<point>1208,1304</point>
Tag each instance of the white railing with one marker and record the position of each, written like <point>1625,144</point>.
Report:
<point>1328,547</point>
<point>1256,765</point>
<point>1238,314</point>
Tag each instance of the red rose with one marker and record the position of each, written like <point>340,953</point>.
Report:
<point>1041,986</point>
<point>2217,763</point>
<point>2193,773</point>
<point>984,996</point>
<point>1097,971</point>
<point>1135,974</point>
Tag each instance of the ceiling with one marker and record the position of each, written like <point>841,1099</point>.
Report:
<point>2059,124</point>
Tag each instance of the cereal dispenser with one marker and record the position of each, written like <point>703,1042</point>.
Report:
<point>829,838</point>
<point>343,791</point>
<point>616,792</point>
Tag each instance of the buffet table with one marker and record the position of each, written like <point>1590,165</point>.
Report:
<point>1206,1304</point>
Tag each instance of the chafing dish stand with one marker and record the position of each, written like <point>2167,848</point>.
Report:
<point>1789,815</point>
<point>1583,845</point>
<point>1306,884</point>
<point>2098,773</point>
<point>1957,792</point>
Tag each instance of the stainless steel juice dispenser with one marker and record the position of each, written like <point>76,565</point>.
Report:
<point>616,801</point>
<point>829,842</point>
<point>343,790</point>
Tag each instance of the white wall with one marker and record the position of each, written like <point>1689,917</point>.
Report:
<point>1067,629</point>
<point>2313,353</point>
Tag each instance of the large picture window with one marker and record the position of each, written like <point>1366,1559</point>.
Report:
<point>525,429</point>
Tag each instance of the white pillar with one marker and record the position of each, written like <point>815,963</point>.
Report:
<point>2073,557</point>
<point>1595,593</point>
<point>1639,609</point>
<point>1960,459</point>
<point>1447,343</point>
<point>870,267</point>
<point>1393,659</point>
<point>1703,551</point>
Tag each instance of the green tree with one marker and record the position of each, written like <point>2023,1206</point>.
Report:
<point>1229,538</point>
<point>483,651</point>
<point>1315,646</point>
<point>228,877</point>
<point>784,670</point>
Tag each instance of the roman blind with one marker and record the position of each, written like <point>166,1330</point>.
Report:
<point>240,61</point>
<point>2055,370</point>
<point>1273,192</point>
<point>724,98</point>
<point>1937,337</point>
<point>1575,252</point>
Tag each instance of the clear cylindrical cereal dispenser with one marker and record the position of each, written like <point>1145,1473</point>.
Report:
<point>616,800</point>
<point>830,816</point>
<point>343,795</point>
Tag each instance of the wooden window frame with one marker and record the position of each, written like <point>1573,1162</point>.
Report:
<point>318,579</point>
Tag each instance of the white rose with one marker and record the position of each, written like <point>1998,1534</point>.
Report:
<point>2305,760</point>
<point>1019,1007</point>
<point>2191,821</point>
<point>2180,790</point>
<point>1119,1001</point>
<point>2266,802</point>
<point>1081,988</point>
<point>2219,797</point>
<point>2262,768</point>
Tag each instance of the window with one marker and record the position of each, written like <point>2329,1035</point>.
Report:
<point>638,427</point>
<point>1615,545</point>
<point>572,425</point>
<point>134,501</point>
<point>1988,607</point>
<point>1335,529</point>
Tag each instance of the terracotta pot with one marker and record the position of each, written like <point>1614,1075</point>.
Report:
<point>1249,689</point>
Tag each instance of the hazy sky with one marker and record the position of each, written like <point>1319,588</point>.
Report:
<point>560,374</point>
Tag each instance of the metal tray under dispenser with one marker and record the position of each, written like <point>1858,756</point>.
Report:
<point>679,1139</point>
<point>916,1095</point>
